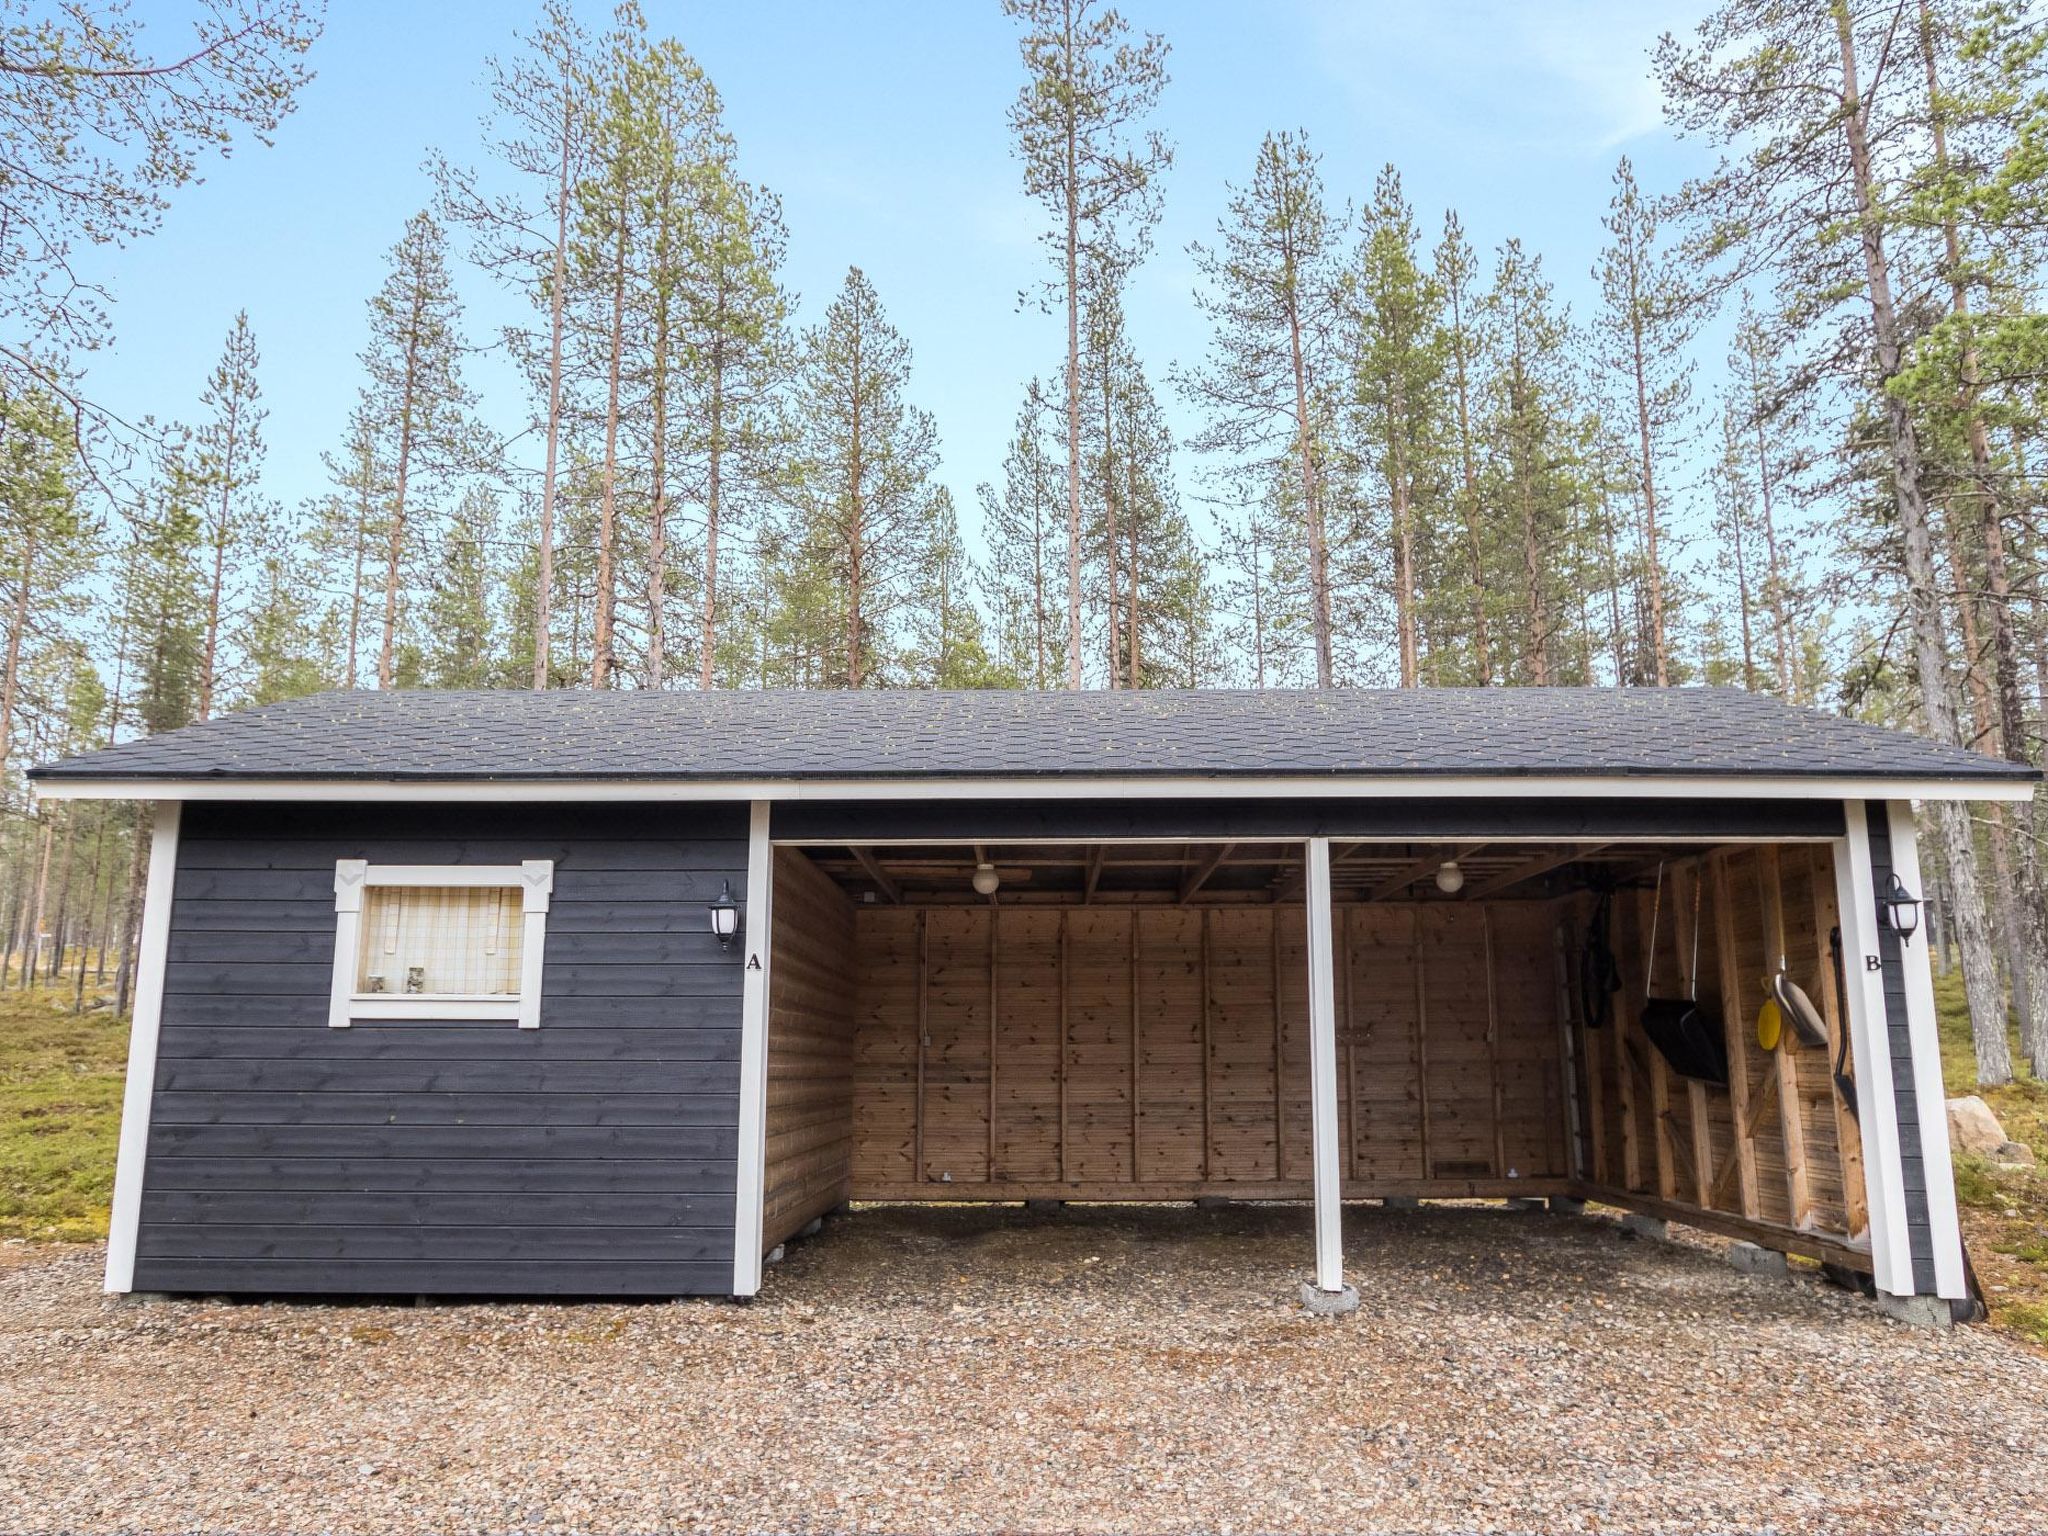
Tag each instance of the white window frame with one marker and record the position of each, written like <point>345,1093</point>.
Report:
<point>535,879</point>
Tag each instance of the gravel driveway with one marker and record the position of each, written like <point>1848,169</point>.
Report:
<point>979,1369</point>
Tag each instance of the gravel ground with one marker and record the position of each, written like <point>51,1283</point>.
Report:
<point>933,1369</point>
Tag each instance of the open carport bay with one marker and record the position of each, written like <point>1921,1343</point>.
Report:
<point>981,1367</point>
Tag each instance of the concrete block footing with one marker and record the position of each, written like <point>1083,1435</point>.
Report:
<point>1636,1225</point>
<point>1752,1260</point>
<point>1920,1311</point>
<point>773,1256</point>
<point>1565,1205</point>
<point>1401,1203</point>
<point>1323,1303</point>
<point>812,1227</point>
<point>1044,1207</point>
<point>1525,1203</point>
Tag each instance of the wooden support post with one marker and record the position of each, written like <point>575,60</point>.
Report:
<point>1785,1063</point>
<point>1349,1113</point>
<point>1137,1069</point>
<point>1735,1012</point>
<point>994,992</point>
<point>1848,1134</point>
<point>1494,1097</point>
<point>1685,928</point>
<point>1279,1055</point>
<point>1208,1086</point>
<point>1583,1158</point>
<point>1322,1034</point>
<point>1658,1069</point>
<point>1421,1043</point>
<point>1624,1079</point>
<point>923,1040</point>
<point>1065,1045</point>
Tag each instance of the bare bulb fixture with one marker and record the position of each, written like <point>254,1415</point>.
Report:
<point>986,880</point>
<point>1449,878</point>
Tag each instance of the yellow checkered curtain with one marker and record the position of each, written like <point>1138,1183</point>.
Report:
<point>441,940</point>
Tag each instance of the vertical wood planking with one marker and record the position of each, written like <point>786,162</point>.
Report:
<point>1848,1132</point>
<point>1735,1037</point>
<point>1066,1045</point>
<point>994,930</point>
<point>924,1040</point>
<point>1208,1061</point>
<point>1500,1143</point>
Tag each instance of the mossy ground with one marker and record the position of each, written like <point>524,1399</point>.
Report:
<point>60,1114</point>
<point>2004,1210</point>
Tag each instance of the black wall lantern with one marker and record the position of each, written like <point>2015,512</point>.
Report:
<point>1899,908</point>
<point>725,915</point>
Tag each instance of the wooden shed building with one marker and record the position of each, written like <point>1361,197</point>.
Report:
<point>578,994</point>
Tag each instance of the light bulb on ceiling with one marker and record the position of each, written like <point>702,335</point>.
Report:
<point>1449,878</point>
<point>986,880</point>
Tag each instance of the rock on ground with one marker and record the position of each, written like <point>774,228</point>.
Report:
<point>1972,1127</point>
<point>1115,1369</point>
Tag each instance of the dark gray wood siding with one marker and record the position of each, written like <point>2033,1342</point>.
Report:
<point>593,1156</point>
<point>1899,1039</point>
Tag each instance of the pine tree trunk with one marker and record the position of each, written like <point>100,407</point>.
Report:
<point>1312,509</point>
<point>131,919</point>
<point>714,498</point>
<point>208,666</point>
<point>17,629</point>
<point>1137,677</point>
<point>1073,362</point>
<point>1113,614</point>
<point>601,661</point>
<point>1404,561</point>
<point>395,555</point>
<point>1473,548</point>
<point>1951,817</point>
<point>544,579</point>
<point>1659,649</point>
<point>657,527</point>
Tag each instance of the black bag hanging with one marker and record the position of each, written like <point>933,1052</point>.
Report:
<point>1678,1026</point>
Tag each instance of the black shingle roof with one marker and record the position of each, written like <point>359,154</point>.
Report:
<point>789,735</point>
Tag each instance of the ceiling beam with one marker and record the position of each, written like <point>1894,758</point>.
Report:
<point>1529,869</point>
<point>891,891</point>
<point>1094,874</point>
<point>1429,864</point>
<point>1197,877</point>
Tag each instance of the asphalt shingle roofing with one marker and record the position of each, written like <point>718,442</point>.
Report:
<point>1504,732</point>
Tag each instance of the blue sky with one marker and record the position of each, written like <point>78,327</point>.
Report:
<point>882,126</point>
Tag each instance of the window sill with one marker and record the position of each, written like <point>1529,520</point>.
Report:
<point>427,1007</point>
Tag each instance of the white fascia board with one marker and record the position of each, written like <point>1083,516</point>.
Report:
<point>1049,787</point>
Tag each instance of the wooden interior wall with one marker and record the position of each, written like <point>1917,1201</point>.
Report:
<point>1777,1147</point>
<point>810,1049</point>
<point>1006,1053</point>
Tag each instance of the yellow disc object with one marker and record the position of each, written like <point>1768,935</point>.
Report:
<point>1770,1024</point>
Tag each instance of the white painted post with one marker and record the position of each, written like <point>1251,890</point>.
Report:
<point>1322,1072</point>
<point>1928,1089</point>
<point>756,919</point>
<point>151,955</point>
<point>1891,1256</point>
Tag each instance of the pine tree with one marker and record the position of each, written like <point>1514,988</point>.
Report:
<point>226,465</point>
<point>415,406</point>
<point>1274,297</point>
<point>1455,273</point>
<point>1398,357</point>
<point>1644,328</point>
<point>1024,529</point>
<point>538,125</point>
<point>947,646</point>
<point>462,608</point>
<point>861,488</point>
<point>1086,87</point>
<point>40,533</point>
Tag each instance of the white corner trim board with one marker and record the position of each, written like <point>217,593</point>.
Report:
<point>1891,1254</point>
<point>750,1181</point>
<point>151,956</point>
<point>1944,1226</point>
<point>535,879</point>
<point>1049,787</point>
